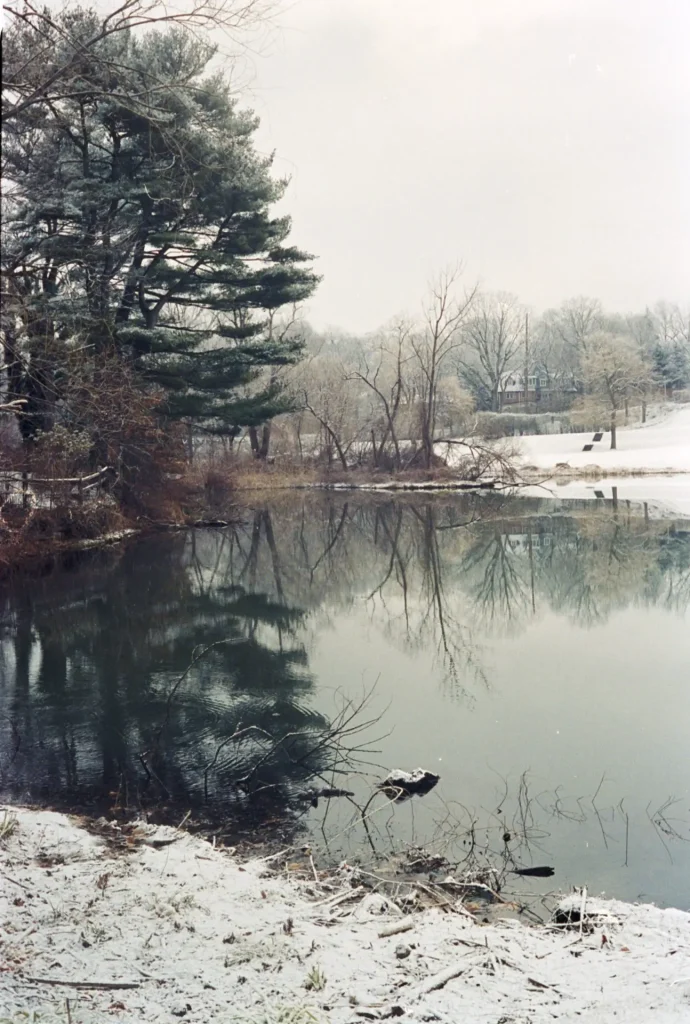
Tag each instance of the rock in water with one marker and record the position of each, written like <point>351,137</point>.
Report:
<point>398,785</point>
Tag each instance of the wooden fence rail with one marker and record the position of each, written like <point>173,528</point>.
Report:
<point>27,480</point>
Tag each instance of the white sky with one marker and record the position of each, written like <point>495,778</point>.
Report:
<point>545,143</point>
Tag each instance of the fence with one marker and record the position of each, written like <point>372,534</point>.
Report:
<point>31,491</point>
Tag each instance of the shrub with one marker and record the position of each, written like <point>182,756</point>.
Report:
<point>492,425</point>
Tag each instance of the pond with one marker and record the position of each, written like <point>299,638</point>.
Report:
<point>535,654</point>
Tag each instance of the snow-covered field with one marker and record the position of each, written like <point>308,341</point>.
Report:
<point>176,929</point>
<point>661,446</point>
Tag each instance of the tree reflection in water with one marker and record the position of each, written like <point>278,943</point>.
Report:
<point>91,654</point>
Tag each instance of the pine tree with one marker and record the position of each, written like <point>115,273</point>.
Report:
<point>140,220</point>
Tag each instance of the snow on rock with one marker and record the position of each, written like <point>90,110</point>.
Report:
<point>197,936</point>
<point>399,783</point>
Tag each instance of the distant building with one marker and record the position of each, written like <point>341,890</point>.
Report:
<point>512,389</point>
<point>540,389</point>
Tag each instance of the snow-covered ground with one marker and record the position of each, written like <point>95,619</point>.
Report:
<point>176,929</point>
<point>661,446</point>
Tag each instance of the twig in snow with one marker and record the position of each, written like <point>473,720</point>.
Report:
<point>341,897</point>
<point>440,979</point>
<point>393,929</point>
<point>83,984</point>
<point>313,867</point>
<point>15,882</point>
<point>542,984</point>
<point>457,906</point>
<point>273,856</point>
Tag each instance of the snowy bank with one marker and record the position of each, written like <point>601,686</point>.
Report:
<point>660,446</point>
<point>166,927</point>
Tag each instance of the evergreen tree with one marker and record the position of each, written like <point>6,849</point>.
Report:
<point>140,220</point>
<point>672,365</point>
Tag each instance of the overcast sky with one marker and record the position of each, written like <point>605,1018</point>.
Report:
<point>546,143</point>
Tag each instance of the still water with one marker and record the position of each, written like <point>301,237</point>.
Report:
<point>536,656</point>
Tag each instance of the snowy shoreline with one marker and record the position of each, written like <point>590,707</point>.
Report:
<point>166,927</point>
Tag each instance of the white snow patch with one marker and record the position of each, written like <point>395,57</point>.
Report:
<point>204,939</point>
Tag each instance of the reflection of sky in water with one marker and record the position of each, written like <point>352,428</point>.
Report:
<point>568,706</point>
<point>557,646</point>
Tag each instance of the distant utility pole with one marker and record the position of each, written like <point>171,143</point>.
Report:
<point>526,359</point>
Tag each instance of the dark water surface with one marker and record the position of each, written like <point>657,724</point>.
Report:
<point>536,656</point>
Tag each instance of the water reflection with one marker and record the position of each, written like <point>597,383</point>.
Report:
<point>92,704</point>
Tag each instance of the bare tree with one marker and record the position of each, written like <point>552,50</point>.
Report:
<point>550,355</point>
<point>328,391</point>
<point>569,329</point>
<point>444,317</point>
<point>491,341</point>
<point>671,324</point>
<point>383,371</point>
<point>613,372</point>
<point>577,320</point>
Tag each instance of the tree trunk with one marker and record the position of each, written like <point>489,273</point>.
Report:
<point>265,442</point>
<point>613,429</point>
<point>298,438</point>
<point>254,441</point>
<point>190,443</point>
<point>341,453</point>
<point>644,412</point>
<point>376,451</point>
<point>331,434</point>
<point>627,411</point>
<point>427,446</point>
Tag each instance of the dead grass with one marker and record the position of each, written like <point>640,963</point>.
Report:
<point>254,477</point>
<point>8,825</point>
<point>31,535</point>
